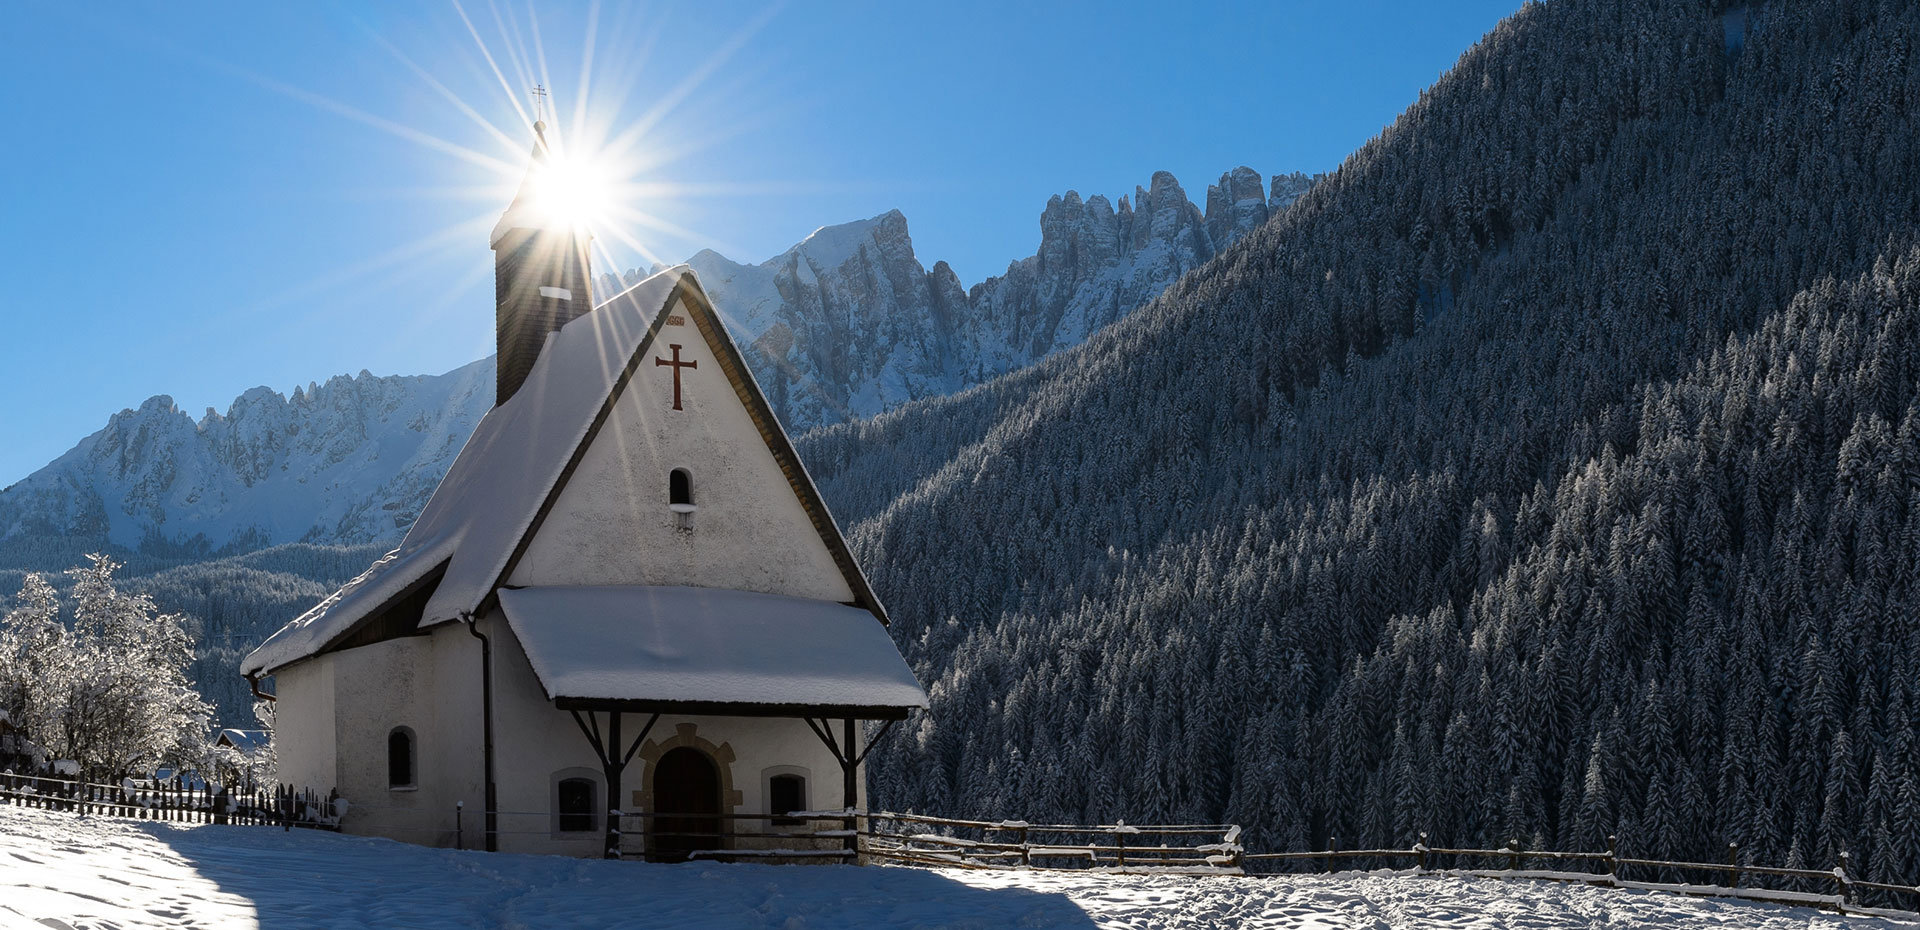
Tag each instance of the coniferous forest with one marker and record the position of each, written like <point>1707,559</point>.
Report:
<point>1551,471</point>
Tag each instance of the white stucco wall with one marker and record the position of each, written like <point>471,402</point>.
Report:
<point>611,523</point>
<point>388,685</point>
<point>303,725</point>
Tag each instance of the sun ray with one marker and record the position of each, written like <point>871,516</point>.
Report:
<point>361,116</point>
<point>660,153</point>
<point>514,44</point>
<point>726,50</point>
<point>456,235</point>
<point>513,96</point>
<point>540,52</point>
<point>507,142</point>
<point>586,65</point>
<point>623,76</point>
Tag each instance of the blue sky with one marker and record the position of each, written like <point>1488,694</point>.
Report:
<point>202,198</point>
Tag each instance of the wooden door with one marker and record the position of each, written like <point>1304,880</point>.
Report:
<point>686,791</point>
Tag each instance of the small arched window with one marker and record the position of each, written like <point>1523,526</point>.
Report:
<point>400,758</point>
<point>680,488</point>
<point>577,804</point>
<point>786,794</point>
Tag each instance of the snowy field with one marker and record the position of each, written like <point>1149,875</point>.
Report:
<point>59,871</point>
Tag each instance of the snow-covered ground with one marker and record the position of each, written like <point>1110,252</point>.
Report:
<point>60,871</point>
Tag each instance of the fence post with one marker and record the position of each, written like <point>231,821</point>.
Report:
<point>1613,859</point>
<point>1119,848</point>
<point>1420,852</point>
<point>1846,886</point>
<point>1733,865</point>
<point>1513,854</point>
<point>1333,846</point>
<point>459,828</point>
<point>1026,851</point>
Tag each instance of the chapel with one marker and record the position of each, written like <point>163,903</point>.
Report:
<point>625,622</point>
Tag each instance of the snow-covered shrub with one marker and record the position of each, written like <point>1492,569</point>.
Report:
<point>108,692</point>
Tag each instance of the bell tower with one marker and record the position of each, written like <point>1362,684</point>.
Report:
<point>541,277</point>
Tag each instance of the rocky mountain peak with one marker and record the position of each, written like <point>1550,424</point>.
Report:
<point>843,325</point>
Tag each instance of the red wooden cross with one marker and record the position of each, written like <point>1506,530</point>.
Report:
<point>676,365</point>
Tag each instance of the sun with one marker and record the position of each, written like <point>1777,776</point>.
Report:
<point>575,190</point>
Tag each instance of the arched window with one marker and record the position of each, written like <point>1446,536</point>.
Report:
<point>400,756</point>
<point>680,488</point>
<point>578,805</point>
<point>786,794</point>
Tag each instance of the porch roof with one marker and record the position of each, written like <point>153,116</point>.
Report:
<point>672,649</point>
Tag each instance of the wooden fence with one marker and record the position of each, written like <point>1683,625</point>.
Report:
<point>945,842</point>
<point>1610,868</point>
<point>174,799</point>
<point>1216,849</point>
<point>981,844</point>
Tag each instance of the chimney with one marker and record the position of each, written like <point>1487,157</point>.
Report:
<point>540,276</point>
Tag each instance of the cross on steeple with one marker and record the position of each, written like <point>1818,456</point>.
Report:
<point>539,95</point>
<point>676,365</point>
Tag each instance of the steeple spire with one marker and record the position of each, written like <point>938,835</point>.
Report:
<point>541,274</point>
<point>524,210</point>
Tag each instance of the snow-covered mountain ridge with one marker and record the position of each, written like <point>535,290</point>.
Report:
<point>845,324</point>
<point>848,323</point>
<point>351,460</point>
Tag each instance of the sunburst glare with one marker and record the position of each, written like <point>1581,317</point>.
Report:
<point>575,189</point>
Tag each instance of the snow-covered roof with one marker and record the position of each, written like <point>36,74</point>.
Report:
<point>516,457</point>
<point>490,494</point>
<point>670,645</point>
<point>383,581</point>
<point>247,741</point>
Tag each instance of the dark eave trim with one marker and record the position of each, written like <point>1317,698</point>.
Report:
<point>736,709</point>
<point>333,644</point>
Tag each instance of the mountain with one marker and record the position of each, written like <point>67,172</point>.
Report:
<point>848,323</point>
<point>1552,470</point>
<point>351,460</point>
<point>242,519</point>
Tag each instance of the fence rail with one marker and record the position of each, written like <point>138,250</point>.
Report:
<point>920,839</point>
<point>174,798</point>
<point>1511,861</point>
<point>945,842</point>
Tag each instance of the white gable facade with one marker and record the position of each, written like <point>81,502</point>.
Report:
<point>588,630</point>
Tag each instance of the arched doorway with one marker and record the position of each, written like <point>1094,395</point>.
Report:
<point>686,784</point>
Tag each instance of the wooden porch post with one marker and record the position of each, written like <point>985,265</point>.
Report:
<point>612,770</point>
<point>613,761</point>
<point>850,786</point>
